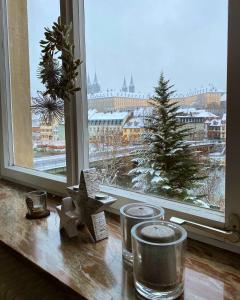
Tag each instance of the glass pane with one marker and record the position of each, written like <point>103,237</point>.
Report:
<point>169,143</point>
<point>36,145</point>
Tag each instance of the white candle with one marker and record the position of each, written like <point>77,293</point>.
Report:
<point>132,214</point>
<point>158,249</point>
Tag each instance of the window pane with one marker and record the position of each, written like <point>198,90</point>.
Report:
<point>178,153</point>
<point>36,145</point>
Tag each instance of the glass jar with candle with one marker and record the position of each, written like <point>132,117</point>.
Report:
<point>37,205</point>
<point>158,266</point>
<point>132,214</point>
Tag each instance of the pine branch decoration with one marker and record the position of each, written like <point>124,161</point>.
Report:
<point>57,71</point>
<point>60,81</point>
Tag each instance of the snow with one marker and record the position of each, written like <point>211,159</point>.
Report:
<point>143,112</point>
<point>201,203</point>
<point>134,123</point>
<point>157,179</point>
<point>175,150</point>
<point>215,122</point>
<point>114,93</point>
<point>224,97</point>
<point>166,187</point>
<point>193,112</point>
<point>99,116</point>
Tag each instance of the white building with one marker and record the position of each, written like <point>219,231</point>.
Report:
<point>103,127</point>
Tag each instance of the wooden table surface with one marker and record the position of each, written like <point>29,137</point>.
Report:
<point>96,271</point>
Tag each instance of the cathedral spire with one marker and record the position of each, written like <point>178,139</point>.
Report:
<point>95,79</point>
<point>131,88</point>
<point>124,87</point>
<point>96,86</point>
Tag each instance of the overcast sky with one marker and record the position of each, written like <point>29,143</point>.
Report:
<point>186,39</point>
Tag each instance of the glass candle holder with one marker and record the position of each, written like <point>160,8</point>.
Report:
<point>158,266</point>
<point>36,202</point>
<point>132,214</point>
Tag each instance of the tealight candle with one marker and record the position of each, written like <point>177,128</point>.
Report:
<point>132,214</point>
<point>158,249</point>
<point>36,202</point>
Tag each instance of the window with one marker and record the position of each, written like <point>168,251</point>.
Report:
<point>35,144</point>
<point>180,38</point>
<point>128,60</point>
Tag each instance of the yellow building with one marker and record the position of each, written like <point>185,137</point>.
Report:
<point>105,102</point>
<point>105,128</point>
<point>133,130</point>
<point>202,100</point>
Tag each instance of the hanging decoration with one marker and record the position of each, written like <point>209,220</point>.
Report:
<point>57,71</point>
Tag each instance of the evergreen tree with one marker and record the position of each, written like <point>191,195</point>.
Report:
<point>167,166</point>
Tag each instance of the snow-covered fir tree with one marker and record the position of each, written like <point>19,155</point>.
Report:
<point>167,166</point>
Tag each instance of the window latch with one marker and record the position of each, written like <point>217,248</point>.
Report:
<point>230,235</point>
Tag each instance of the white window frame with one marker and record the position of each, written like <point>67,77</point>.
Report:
<point>73,122</point>
<point>189,212</point>
<point>77,131</point>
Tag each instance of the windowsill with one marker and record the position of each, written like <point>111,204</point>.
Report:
<point>187,209</point>
<point>55,184</point>
<point>95,270</point>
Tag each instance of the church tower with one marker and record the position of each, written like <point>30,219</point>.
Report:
<point>131,88</point>
<point>96,86</point>
<point>124,87</point>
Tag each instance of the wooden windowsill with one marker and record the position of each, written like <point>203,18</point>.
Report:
<point>96,271</point>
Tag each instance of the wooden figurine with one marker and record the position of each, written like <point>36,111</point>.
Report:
<point>91,203</point>
<point>69,217</point>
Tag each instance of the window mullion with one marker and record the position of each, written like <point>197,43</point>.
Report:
<point>232,203</point>
<point>76,111</point>
<point>5,92</point>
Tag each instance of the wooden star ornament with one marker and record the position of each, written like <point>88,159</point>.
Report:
<point>91,203</point>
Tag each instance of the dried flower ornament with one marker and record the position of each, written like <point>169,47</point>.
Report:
<point>49,109</point>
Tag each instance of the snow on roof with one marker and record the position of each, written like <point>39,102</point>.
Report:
<point>99,116</point>
<point>224,117</point>
<point>209,90</point>
<point>193,112</point>
<point>224,97</point>
<point>205,114</point>
<point>215,122</point>
<point>114,93</point>
<point>142,111</point>
<point>91,112</point>
<point>134,123</point>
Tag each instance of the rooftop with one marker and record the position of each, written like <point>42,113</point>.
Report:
<point>99,116</point>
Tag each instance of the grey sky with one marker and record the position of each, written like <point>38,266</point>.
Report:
<point>187,39</point>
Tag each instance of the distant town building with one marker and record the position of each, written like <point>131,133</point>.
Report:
<point>93,88</point>
<point>131,87</point>
<point>36,133</point>
<point>202,100</point>
<point>195,120</point>
<point>117,101</point>
<point>105,127</point>
<point>216,129</point>
<point>133,130</point>
<point>124,86</point>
